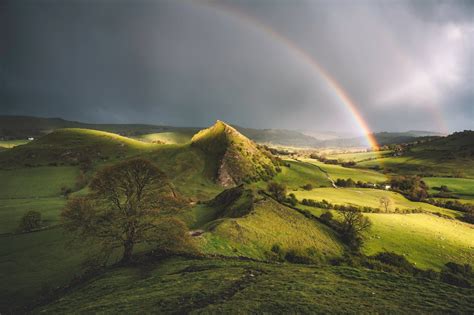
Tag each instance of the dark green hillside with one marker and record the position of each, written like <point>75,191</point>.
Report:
<point>232,158</point>
<point>451,156</point>
<point>180,286</point>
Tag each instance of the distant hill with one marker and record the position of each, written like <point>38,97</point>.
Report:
<point>68,146</point>
<point>23,127</point>
<point>451,156</point>
<point>235,159</point>
<point>383,138</point>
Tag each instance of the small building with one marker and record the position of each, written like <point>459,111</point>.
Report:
<point>31,138</point>
<point>387,187</point>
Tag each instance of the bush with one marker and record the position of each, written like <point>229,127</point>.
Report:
<point>326,217</point>
<point>292,199</point>
<point>30,221</point>
<point>308,187</point>
<point>277,190</point>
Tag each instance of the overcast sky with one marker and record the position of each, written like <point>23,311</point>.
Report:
<point>405,64</point>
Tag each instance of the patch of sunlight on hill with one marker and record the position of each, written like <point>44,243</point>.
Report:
<point>426,240</point>
<point>172,137</point>
<point>268,224</point>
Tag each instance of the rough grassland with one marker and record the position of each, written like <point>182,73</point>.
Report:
<point>268,224</point>
<point>462,187</point>
<point>337,171</point>
<point>179,285</point>
<point>368,197</point>
<point>426,240</point>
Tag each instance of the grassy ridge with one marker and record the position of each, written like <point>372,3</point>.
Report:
<point>179,285</point>
<point>67,146</point>
<point>268,224</point>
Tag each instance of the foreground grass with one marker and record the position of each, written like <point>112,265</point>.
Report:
<point>179,285</point>
<point>369,197</point>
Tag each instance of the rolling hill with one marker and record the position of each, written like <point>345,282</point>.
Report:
<point>451,156</point>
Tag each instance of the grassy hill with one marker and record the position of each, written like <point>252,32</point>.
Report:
<point>451,156</point>
<point>264,225</point>
<point>233,158</point>
<point>180,285</point>
<point>68,146</point>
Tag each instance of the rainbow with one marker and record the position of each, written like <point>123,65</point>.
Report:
<point>337,89</point>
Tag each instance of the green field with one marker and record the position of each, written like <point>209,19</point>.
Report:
<point>36,182</point>
<point>368,197</point>
<point>461,187</point>
<point>358,156</point>
<point>425,240</point>
<point>338,171</point>
<point>213,286</point>
<point>300,174</point>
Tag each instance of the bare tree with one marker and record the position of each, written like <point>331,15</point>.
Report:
<point>385,203</point>
<point>125,207</point>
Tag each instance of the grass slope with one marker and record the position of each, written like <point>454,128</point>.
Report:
<point>358,156</point>
<point>268,224</point>
<point>461,187</point>
<point>426,240</point>
<point>66,146</point>
<point>337,171</point>
<point>179,285</point>
<point>444,156</point>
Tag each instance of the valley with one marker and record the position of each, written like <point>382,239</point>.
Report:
<point>240,229</point>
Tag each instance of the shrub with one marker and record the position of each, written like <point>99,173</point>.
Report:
<point>30,221</point>
<point>308,187</point>
<point>277,190</point>
<point>326,217</point>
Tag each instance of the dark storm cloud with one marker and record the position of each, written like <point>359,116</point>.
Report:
<point>189,63</point>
